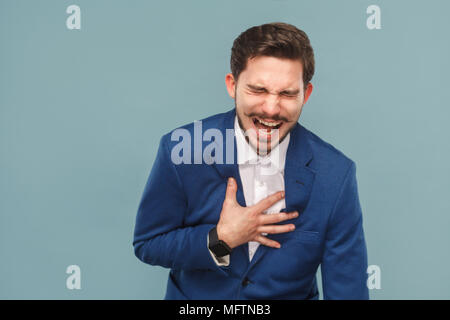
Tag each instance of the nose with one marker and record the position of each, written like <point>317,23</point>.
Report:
<point>271,106</point>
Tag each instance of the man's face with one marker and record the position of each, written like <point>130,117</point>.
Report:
<point>269,97</point>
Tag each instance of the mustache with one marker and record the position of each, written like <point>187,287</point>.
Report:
<point>266,117</point>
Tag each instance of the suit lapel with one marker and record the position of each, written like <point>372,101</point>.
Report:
<point>225,169</point>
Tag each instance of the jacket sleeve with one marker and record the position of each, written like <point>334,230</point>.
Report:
<point>344,262</point>
<point>160,235</point>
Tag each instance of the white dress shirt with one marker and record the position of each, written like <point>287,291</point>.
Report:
<point>261,176</point>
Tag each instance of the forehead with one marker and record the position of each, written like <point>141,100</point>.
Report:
<point>273,73</point>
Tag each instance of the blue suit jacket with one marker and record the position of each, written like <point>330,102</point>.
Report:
<point>182,203</point>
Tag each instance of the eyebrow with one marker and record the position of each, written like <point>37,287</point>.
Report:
<point>260,88</point>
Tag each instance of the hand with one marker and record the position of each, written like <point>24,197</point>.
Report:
<point>238,225</point>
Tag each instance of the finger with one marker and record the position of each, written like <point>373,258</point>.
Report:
<point>277,217</point>
<point>269,201</point>
<point>267,242</point>
<point>230,194</point>
<point>272,229</point>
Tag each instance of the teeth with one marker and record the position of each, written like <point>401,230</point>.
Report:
<point>269,124</point>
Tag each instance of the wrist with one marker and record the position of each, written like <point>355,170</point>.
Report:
<point>221,235</point>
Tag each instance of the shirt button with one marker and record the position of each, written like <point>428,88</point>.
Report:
<point>245,282</point>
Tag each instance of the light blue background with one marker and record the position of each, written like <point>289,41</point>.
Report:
<point>82,112</point>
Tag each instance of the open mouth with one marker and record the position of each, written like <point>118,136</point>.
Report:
<point>267,125</point>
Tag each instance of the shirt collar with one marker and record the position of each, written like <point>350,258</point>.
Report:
<point>247,154</point>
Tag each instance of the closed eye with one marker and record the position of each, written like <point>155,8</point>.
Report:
<point>290,95</point>
<point>258,90</point>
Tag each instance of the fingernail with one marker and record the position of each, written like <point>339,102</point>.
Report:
<point>282,194</point>
<point>230,181</point>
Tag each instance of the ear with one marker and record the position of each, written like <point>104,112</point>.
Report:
<point>231,85</point>
<point>309,89</point>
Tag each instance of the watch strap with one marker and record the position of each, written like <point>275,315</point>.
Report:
<point>217,246</point>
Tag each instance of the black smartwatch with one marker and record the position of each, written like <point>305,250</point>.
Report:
<point>218,247</point>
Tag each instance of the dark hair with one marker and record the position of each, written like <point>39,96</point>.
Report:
<point>275,39</point>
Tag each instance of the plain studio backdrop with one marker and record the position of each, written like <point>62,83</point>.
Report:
<point>82,112</point>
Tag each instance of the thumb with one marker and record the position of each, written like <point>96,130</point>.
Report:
<point>231,190</point>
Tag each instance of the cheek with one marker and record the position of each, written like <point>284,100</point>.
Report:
<point>251,101</point>
<point>248,104</point>
<point>294,111</point>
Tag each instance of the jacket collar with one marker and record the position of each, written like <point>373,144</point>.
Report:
<point>298,155</point>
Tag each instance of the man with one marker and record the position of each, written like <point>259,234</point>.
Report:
<point>260,226</point>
